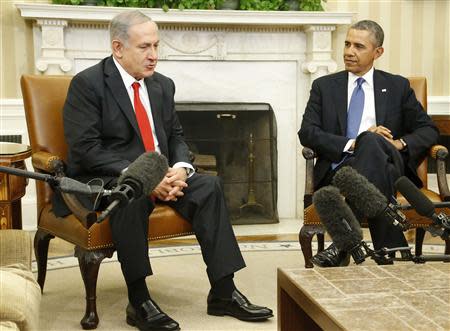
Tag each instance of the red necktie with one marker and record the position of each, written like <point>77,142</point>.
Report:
<point>142,119</point>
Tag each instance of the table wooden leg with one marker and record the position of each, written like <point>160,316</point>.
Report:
<point>11,215</point>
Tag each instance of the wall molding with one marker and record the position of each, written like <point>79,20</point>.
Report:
<point>11,108</point>
<point>439,105</point>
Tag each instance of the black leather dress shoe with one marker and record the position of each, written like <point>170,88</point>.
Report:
<point>237,306</point>
<point>331,257</point>
<point>149,317</point>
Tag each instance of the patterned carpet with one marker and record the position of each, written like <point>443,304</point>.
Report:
<point>179,286</point>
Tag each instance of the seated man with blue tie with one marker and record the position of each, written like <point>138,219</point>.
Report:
<point>370,120</point>
<point>114,112</point>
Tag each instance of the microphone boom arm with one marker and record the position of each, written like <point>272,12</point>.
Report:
<point>85,216</point>
<point>29,174</point>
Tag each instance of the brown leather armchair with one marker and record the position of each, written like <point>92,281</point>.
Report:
<point>311,221</point>
<point>44,98</point>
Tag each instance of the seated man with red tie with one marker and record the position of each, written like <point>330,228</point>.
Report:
<point>369,120</point>
<point>115,111</point>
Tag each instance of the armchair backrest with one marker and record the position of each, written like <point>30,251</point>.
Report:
<point>419,85</point>
<point>43,98</point>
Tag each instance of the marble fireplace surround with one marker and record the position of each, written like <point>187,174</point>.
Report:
<point>213,56</point>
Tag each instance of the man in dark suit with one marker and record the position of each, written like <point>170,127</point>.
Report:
<point>370,120</point>
<point>115,111</point>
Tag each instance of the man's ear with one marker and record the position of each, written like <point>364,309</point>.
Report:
<point>378,52</point>
<point>117,48</point>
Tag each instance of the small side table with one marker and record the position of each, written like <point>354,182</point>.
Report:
<point>12,188</point>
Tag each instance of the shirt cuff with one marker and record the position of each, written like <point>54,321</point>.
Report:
<point>189,168</point>
<point>348,145</point>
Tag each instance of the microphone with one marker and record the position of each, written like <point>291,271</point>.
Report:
<point>64,184</point>
<point>141,177</point>
<point>420,202</point>
<point>69,185</point>
<point>367,200</point>
<point>340,222</point>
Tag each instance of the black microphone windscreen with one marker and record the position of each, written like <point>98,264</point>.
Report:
<point>417,199</point>
<point>148,169</point>
<point>337,218</point>
<point>361,194</point>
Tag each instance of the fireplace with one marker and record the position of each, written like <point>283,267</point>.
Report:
<point>234,58</point>
<point>237,142</point>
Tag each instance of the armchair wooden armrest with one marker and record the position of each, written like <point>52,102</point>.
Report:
<point>47,162</point>
<point>440,153</point>
<point>309,156</point>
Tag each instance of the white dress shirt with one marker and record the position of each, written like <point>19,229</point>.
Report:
<point>128,81</point>
<point>368,117</point>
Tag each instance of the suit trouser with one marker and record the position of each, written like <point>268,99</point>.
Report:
<point>382,164</point>
<point>203,205</point>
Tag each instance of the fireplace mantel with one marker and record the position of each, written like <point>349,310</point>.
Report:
<point>213,56</point>
<point>203,17</point>
<point>53,21</point>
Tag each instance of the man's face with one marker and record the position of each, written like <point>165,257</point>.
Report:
<point>139,54</point>
<point>360,51</point>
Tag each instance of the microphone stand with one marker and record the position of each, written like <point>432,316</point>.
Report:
<point>439,227</point>
<point>381,256</point>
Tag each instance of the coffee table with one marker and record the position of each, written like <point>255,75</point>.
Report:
<point>404,296</point>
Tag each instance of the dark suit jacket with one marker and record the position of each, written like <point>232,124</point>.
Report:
<point>325,120</point>
<point>100,124</point>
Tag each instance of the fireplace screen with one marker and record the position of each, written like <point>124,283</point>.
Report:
<point>237,142</point>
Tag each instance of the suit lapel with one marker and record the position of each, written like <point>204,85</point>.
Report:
<point>380,86</point>
<point>120,94</point>
<point>340,100</point>
<point>155,95</point>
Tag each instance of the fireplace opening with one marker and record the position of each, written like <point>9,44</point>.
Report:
<point>237,142</point>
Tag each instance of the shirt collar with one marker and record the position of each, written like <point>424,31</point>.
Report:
<point>127,79</point>
<point>368,77</point>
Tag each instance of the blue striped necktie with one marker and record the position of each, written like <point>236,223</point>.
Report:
<point>355,110</point>
<point>354,115</point>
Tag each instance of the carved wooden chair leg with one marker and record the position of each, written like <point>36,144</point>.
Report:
<point>41,242</point>
<point>305,237</point>
<point>420,235</point>
<point>89,262</point>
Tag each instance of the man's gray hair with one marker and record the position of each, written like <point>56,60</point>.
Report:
<point>372,27</point>
<point>118,28</point>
